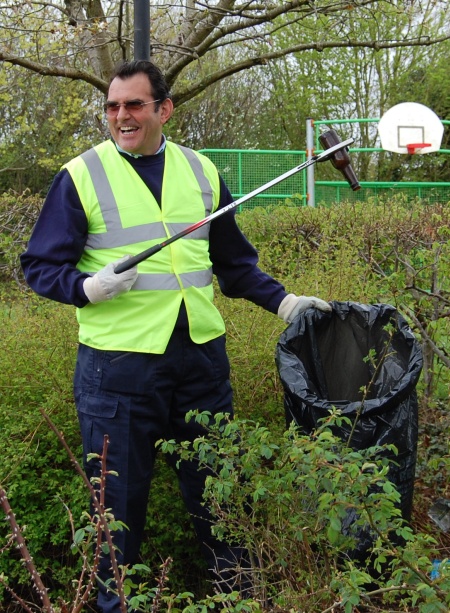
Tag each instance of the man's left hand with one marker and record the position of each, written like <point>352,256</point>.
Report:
<point>292,305</point>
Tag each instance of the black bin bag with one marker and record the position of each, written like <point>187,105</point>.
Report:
<point>321,362</point>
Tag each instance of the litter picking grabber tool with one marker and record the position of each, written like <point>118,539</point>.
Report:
<point>328,154</point>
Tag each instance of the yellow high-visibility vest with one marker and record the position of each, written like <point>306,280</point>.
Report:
<point>124,218</point>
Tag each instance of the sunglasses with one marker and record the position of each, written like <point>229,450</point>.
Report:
<point>133,106</point>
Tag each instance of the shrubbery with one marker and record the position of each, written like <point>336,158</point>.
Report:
<point>396,253</point>
<point>18,214</point>
<point>302,505</point>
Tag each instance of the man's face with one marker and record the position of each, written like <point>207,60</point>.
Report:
<point>137,131</point>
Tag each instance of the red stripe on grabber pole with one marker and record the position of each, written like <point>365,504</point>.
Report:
<point>140,257</point>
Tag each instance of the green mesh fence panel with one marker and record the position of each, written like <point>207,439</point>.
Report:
<point>246,170</point>
<point>331,192</point>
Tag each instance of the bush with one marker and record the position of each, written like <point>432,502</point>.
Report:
<point>289,498</point>
<point>18,214</point>
<point>396,253</point>
<point>37,372</point>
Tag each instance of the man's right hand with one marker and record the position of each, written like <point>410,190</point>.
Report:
<point>106,284</point>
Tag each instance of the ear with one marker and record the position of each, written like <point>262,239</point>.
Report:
<point>166,108</point>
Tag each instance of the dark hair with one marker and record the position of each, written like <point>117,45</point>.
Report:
<point>158,84</point>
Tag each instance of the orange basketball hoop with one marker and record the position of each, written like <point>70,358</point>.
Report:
<point>413,147</point>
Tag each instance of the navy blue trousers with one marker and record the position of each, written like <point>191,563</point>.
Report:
<point>137,399</point>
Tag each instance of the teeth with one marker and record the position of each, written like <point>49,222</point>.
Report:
<point>127,129</point>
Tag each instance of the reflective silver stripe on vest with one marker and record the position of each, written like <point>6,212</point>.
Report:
<point>126,236</point>
<point>162,281</point>
<point>103,191</point>
<point>199,173</point>
<point>138,234</point>
<point>158,281</point>
<point>116,235</point>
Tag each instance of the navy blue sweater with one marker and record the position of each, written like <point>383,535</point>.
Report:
<point>59,237</point>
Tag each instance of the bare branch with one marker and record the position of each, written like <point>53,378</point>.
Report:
<point>98,502</point>
<point>16,597</point>
<point>24,552</point>
<point>426,337</point>
<point>55,71</point>
<point>194,89</point>
<point>183,35</point>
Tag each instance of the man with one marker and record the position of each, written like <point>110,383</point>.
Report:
<point>152,344</point>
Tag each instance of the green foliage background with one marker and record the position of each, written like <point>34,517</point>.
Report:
<point>48,120</point>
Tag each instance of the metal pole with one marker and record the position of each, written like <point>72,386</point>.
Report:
<point>141,29</point>
<point>311,196</point>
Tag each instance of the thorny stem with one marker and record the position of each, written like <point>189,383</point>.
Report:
<point>90,584</point>
<point>18,537</point>
<point>162,580</point>
<point>80,597</point>
<point>355,421</point>
<point>98,504</point>
<point>378,365</point>
<point>384,590</point>
<point>427,338</point>
<point>16,597</point>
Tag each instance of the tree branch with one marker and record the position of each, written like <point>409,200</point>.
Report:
<point>195,88</point>
<point>247,17</point>
<point>426,337</point>
<point>55,71</point>
<point>24,552</point>
<point>206,26</point>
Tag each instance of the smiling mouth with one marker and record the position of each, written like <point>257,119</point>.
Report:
<point>128,129</point>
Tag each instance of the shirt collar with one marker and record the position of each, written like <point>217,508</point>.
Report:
<point>139,155</point>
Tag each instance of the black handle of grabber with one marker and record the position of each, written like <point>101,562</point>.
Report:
<point>320,157</point>
<point>136,259</point>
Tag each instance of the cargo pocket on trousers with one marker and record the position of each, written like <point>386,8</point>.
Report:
<point>96,416</point>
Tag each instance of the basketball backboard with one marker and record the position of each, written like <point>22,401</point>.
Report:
<point>410,127</point>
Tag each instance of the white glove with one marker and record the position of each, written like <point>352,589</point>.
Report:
<point>105,284</point>
<point>292,305</point>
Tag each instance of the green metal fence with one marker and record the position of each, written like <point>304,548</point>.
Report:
<point>245,170</point>
<point>329,192</point>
